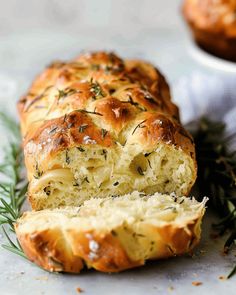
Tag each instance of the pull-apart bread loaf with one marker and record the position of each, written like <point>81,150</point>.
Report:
<point>111,234</point>
<point>101,138</point>
<point>101,126</point>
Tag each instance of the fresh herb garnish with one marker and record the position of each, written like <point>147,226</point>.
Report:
<point>64,118</point>
<point>88,112</point>
<point>96,89</point>
<point>67,157</point>
<point>63,93</point>
<point>136,104</point>
<point>217,176</point>
<point>53,130</point>
<point>149,163</point>
<point>149,98</point>
<point>104,133</point>
<point>13,186</point>
<point>47,190</point>
<point>82,127</point>
<point>95,67</point>
<point>81,149</point>
<point>104,153</point>
<point>38,173</point>
<point>86,179</point>
<point>140,170</point>
<point>114,233</point>
<point>139,126</point>
<point>37,98</point>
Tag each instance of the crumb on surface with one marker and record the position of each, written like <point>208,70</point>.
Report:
<point>222,278</point>
<point>42,278</point>
<point>79,290</point>
<point>171,288</point>
<point>196,283</point>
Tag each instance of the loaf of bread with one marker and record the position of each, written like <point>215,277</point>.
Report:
<point>100,126</point>
<point>111,234</point>
<point>213,24</point>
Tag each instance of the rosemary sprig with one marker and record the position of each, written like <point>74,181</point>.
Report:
<point>217,176</point>
<point>13,185</point>
<point>13,247</point>
<point>96,89</point>
<point>63,93</point>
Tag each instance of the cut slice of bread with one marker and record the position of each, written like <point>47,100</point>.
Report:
<point>111,234</point>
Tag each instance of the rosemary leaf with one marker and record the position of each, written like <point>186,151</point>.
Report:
<point>13,186</point>
<point>233,271</point>
<point>104,133</point>
<point>96,90</point>
<point>82,127</point>
<point>217,176</point>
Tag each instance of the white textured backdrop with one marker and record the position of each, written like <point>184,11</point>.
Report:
<point>72,15</point>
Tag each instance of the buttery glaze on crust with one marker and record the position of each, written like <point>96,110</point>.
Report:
<point>213,24</point>
<point>60,134</point>
<point>89,79</point>
<point>100,101</point>
<point>44,249</point>
<point>65,240</point>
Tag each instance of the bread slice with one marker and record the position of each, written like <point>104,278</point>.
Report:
<point>101,126</point>
<point>111,234</point>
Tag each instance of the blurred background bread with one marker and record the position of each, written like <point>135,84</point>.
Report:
<point>102,126</point>
<point>213,25</point>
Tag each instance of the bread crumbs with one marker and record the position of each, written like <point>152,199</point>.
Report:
<point>196,283</point>
<point>79,290</point>
<point>42,278</point>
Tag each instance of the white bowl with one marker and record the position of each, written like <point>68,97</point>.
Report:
<point>210,60</point>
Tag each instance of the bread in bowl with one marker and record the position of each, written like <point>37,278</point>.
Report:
<point>213,24</point>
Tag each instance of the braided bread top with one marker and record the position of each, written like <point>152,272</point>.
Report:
<point>101,100</point>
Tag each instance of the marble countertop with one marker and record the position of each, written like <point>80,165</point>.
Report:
<point>23,53</point>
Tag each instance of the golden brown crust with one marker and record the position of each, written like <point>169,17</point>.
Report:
<point>98,101</point>
<point>60,134</point>
<point>213,24</point>
<point>109,257</point>
<point>68,251</point>
<point>89,79</point>
<point>49,250</point>
<point>106,95</point>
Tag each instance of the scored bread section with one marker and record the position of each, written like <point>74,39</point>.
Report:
<point>110,124</point>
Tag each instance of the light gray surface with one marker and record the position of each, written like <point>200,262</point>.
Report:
<point>155,278</point>
<point>32,33</point>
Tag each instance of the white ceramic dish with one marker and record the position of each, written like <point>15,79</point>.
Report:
<point>210,60</point>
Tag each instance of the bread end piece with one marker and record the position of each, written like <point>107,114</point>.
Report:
<point>111,234</point>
